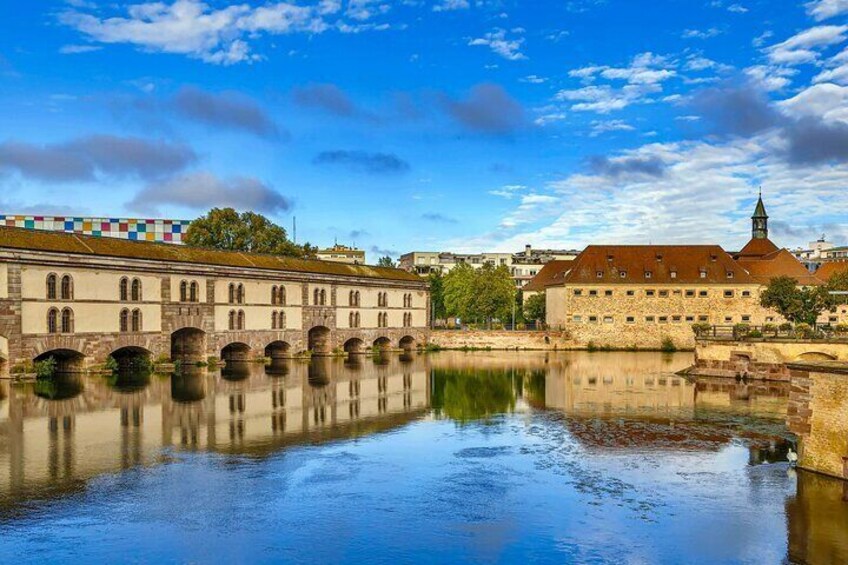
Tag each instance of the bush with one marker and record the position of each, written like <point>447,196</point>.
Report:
<point>841,328</point>
<point>769,328</point>
<point>701,328</point>
<point>741,330</point>
<point>804,331</point>
<point>668,345</point>
<point>786,327</point>
<point>592,346</point>
<point>111,364</point>
<point>755,333</point>
<point>45,369</point>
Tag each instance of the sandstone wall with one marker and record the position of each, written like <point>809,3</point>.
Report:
<point>481,339</point>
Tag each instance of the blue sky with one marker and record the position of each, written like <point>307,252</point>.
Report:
<point>435,124</point>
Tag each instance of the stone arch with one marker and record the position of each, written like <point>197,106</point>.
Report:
<point>319,340</point>
<point>382,343</point>
<point>354,346</point>
<point>236,351</point>
<point>407,343</point>
<point>67,360</point>
<point>131,356</point>
<point>278,350</point>
<point>816,356</point>
<point>188,344</point>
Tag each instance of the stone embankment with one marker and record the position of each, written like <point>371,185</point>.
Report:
<point>502,340</point>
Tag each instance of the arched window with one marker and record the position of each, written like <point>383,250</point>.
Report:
<point>51,287</point>
<point>274,295</point>
<point>136,320</point>
<point>124,289</point>
<point>125,320</point>
<point>356,320</point>
<point>136,290</point>
<point>192,291</point>
<point>274,320</point>
<point>241,319</point>
<point>351,298</point>
<point>240,293</point>
<point>183,291</point>
<point>232,295</point>
<point>357,297</point>
<point>232,320</point>
<point>281,296</point>
<point>67,321</point>
<point>323,297</point>
<point>282,322</point>
<point>351,319</point>
<point>53,321</point>
<point>67,288</point>
<point>316,297</point>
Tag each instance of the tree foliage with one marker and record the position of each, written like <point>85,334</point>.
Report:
<point>796,304</point>
<point>386,261</point>
<point>534,307</point>
<point>228,230</point>
<point>486,293</point>
<point>437,295</point>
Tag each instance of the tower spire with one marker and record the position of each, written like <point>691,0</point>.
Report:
<point>759,221</point>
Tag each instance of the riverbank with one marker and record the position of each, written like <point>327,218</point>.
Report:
<point>501,340</point>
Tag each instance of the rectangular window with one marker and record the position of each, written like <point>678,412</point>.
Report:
<point>577,292</point>
<point>577,319</point>
<point>650,292</point>
<point>728,294</point>
<point>676,292</point>
<point>746,317</point>
<point>607,293</point>
<point>663,319</point>
<point>663,294</point>
<point>702,294</point>
<point>746,293</point>
<point>599,274</point>
<point>631,320</point>
<point>593,293</point>
<point>690,293</point>
<point>593,319</point>
<point>631,293</point>
<point>648,274</point>
<point>690,318</point>
<point>769,318</point>
<point>728,319</point>
<point>730,274</point>
<point>703,318</point>
<point>649,319</point>
<point>833,319</point>
<point>607,319</point>
<point>673,274</point>
<point>676,319</point>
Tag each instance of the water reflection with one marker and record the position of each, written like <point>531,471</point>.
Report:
<point>620,434</point>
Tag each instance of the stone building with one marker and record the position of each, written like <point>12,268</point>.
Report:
<point>638,295</point>
<point>523,266</point>
<point>80,299</point>
<point>342,254</point>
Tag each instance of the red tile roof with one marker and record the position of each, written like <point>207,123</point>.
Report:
<point>830,268</point>
<point>780,263</point>
<point>757,248</point>
<point>667,264</point>
<point>550,274</point>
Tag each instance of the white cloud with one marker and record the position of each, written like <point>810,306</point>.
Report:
<point>76,49</point>
<point>700,34</point>
<point>497,41</point>
<point>825,9</point>
<point>838,71</point>
<point>804,47</point>
<point>218,35</point>
<point>449,5</point>
<point>737,9</point>
<point>770,78</point>
<point>603,126</point>
<point>826,101</point>
<point>534,79</point>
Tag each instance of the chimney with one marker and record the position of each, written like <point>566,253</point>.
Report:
<point>528,251</point>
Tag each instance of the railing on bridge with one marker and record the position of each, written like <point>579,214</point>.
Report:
<point>746,332</point>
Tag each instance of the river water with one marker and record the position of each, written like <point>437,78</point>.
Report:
<point>447,457</point>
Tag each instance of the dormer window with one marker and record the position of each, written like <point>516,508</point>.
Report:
<point>659,257</point>
<point>730,274</point>
<point>648,274</point>
<point>713,258</point>
<point>703,273</point>
<point>600,274</point>
<point>673,274</point>
<point>609,258</point>
<point>622,274</point>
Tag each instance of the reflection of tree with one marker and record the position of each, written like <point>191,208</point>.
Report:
<point>128,380</point>
<point>58,387</point>
<point>466,394</point>
<point>534,388</point>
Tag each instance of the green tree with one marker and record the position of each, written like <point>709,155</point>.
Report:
<point>838,282</point>
<point>459,291</point>
<point>386,261</point>
<point>437,295</point>
<point>493,293</point>
<point>534,307</point>
<point>228,230</point>
<point>796,304</point>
